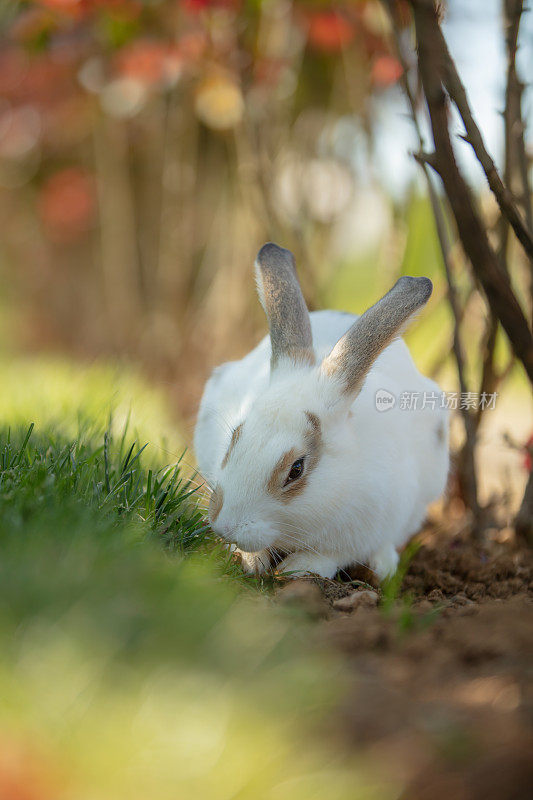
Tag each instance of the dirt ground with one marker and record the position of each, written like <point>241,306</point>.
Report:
<point>441,690</point>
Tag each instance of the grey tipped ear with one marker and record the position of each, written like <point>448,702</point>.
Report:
<point>353,355</point>
<point>281,297</point>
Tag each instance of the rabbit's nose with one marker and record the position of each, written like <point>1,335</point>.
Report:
<point>222,529</point>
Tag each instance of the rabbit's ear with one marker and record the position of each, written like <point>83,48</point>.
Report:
<point>353,355</point>
<point>284,305</point>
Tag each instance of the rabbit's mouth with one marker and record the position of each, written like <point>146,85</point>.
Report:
<point>250,537</point>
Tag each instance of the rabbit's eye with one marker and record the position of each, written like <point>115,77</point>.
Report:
<point>295,471</point>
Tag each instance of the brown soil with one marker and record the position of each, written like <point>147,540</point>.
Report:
<point>441,690</point>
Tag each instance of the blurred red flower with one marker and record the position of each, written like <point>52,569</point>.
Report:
<point>192,46</point>
<point>32,25</point>
<point>24,773</point>
<point>35,78</point>
<point>78,9</point>
<point>67,204</point>
<point>197,6</point>
<point>329,31</point>
<point>149,61</point>
<point>386,70</point>
<point>269,70</point>
<point>70,8</point>
<point>126,9</point>
<point>13,66</point>
<point>62,5</point>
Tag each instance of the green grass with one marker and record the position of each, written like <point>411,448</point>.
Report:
<point>399,605</point>
<point>107,479</point>
<point>135,659</point>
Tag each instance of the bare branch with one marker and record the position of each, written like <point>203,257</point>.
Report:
<point>524,518</point>
<point>426,159</point>
<point>473,137</point>
<point>495,282</point>
<point>516,166</point>
<point>466,467</point>
<point>514,124</point>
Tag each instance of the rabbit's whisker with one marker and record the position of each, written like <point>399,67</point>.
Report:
<point>307,547</point>
<point>302,544</point>
<point>221,420</point>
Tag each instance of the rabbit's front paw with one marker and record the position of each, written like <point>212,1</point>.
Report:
<point>305,563</point>
<point>385,562</point>
<point>254,563</point>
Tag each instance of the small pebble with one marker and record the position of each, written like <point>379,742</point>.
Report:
<point>461,600</point>
<point>305,594</point>
<point>355,600</point>
<point>425,606</point>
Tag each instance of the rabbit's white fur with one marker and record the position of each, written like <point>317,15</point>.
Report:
<point>374,477</point>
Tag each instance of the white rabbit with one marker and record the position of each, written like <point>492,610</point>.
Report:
<point>290,437</point>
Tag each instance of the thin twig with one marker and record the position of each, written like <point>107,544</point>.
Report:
<point>515,125</point>
<point>457,93</point>
<point>473,235</point>
<point>468,479</point>
<point>514,145</point>
<point>516,166</point>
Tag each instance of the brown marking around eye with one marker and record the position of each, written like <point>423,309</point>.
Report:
<point>295,488</point>
<point>235,436</point>
<point>313,442</point>
<point>315,424</point>
<point>280,471</point>
<point>215,503</point>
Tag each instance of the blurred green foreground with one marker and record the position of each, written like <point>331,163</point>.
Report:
<point>135,660</point>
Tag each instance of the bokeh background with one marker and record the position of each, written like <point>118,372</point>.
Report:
<point>147,150</point>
